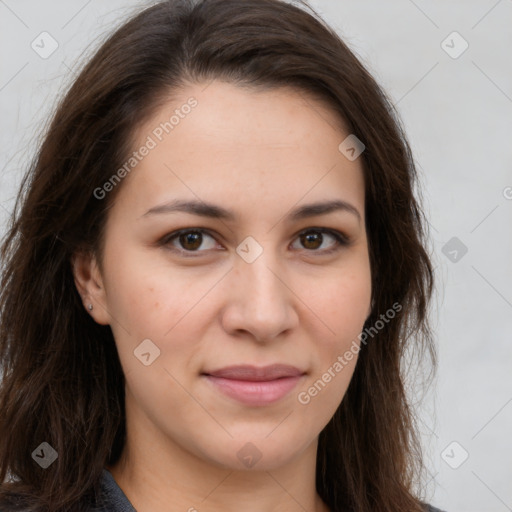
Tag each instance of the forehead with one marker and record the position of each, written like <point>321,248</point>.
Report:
<point>223,143</point>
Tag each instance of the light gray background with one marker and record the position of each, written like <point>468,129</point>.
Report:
<point>458,116</point>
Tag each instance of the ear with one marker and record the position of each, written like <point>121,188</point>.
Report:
<point>89,284</point>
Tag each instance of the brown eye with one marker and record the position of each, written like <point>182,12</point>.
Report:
<point>313,239</point>
<point>191,240</point>
<point>188,240</point>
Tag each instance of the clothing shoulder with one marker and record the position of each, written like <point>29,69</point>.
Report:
<point>111,499</point>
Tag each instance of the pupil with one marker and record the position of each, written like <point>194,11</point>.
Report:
<point>312,237</point>
<point>193,238</point>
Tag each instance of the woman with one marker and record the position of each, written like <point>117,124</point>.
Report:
<point>215,270</point>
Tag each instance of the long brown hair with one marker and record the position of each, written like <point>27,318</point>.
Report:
<point>62,379</point>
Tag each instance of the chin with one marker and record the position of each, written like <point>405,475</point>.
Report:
<point>254,453</point>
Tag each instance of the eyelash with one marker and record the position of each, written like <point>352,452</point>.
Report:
<point>341,239</point>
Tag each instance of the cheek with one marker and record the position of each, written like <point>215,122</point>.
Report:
<point>342,308</point>
<point>154,315</point>
<point>140,294</point>
<point>148,300</point>
<point>342,303</point>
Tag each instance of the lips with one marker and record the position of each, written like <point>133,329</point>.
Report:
<point>254,374</point>
<point>253,386</point>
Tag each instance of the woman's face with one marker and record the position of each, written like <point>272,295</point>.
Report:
<point>255,279</point>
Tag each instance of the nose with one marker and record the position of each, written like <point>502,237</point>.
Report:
<point>260,300</point>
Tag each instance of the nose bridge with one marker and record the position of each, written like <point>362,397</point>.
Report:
<point>260,301</point>
<point>259,275</point>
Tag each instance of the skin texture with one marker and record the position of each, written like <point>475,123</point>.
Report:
<point>261,154</point>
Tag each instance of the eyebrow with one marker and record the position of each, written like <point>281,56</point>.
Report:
<point>213,211</point>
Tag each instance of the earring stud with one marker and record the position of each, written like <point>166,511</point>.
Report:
<point>89,307</point>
